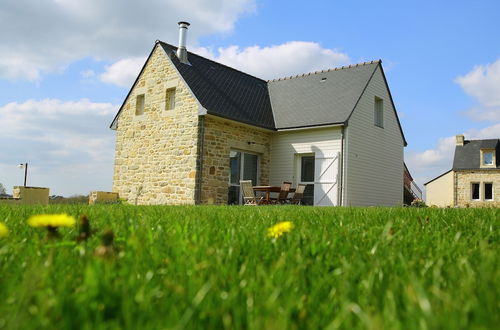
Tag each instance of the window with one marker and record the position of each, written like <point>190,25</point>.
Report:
<point>379,112</point>
<point>307,169</point>
<point>305,174</point>
<point>170,99</point>
<point>488,191</point>
<point>488,158</point>
<point>475,191</point>
<point>139,105</point>
<point>242,166</point>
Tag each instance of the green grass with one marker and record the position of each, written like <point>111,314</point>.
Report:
<point>214,267</point>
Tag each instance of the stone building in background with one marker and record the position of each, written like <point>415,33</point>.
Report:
<point>474,180</point>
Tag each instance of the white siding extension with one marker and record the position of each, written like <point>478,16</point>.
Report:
<point>285,146</point>
<point>374,155</point>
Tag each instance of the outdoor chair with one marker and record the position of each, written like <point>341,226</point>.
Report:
<point>248,193</point>
<point>299,193</point>
<point>283,194</point>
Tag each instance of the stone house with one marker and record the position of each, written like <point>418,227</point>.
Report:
<point>474,180</point>
<point>190,128</point>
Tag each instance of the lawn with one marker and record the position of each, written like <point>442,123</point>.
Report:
<point>215,267</point>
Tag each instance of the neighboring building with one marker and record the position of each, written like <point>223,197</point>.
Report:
<point>474,179</point>
<point>191,128</point>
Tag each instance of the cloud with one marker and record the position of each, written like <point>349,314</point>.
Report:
<point>433,162</point>
<point>124,72</point>
<point>67,143</point>
<point>41,36</point>
<point>291,58</point>
<point>483,84</point>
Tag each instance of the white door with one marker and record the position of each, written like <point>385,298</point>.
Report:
<point>326,174</point>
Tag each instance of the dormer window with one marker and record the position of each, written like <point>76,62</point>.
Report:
<point>488,158</point>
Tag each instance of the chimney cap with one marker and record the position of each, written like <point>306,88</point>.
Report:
<point>184,23</point>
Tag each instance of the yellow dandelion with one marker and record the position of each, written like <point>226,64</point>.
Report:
<point>278,229</point>
<point>4,231</point>
<point>51,220</point>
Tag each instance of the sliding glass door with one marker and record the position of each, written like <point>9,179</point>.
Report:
<point>243,166</point>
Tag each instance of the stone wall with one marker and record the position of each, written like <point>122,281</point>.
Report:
<point>221,136</point>
<point>155,156</point>
<point>104,197</point>
<point>463,187</point>
<point>28,196</point>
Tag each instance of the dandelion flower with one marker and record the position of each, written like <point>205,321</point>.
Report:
<point>278,229</point>
<point>51,220</point>
<point>4,231</point>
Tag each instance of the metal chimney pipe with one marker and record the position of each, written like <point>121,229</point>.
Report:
<point>181,50</point>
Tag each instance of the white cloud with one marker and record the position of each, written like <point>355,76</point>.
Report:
<point>291,58</point>
<point>277,61</point>
<point>433,162</point>
<point>483,84</point>
<point>46,35</point>
<point>124,72</point>
<point>67,143</point>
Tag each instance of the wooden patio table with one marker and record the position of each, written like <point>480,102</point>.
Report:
<point>268,190</point>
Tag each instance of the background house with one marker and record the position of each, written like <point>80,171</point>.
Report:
<point>191,128</point>
<point>474,179</point>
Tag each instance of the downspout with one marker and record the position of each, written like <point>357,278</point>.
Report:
<point>199,159</point>
<point>341,194</point>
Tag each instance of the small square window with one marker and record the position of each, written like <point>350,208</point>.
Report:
<point>139,105</point>
<point>379,112</point>
<point>170,99</point>
<point>475,191</point>
<point>488,191</point>
<point>488,158</point>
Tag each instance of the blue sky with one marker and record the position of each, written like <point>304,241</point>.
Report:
<point>66,65</point>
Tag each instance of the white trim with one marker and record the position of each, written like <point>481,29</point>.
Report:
<point>492,192</point>
<point>472,191</point>
<point>309,127</point>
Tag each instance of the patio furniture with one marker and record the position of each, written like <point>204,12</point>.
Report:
<point>268,190</point>
<point>299,193</point>
<point>283,193</point>
<point>249,194</point>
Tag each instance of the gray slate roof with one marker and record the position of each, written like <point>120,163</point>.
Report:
<point>224,91</point>
<point>321,98</point>
<point>301,101</point>
<point>468,156</point>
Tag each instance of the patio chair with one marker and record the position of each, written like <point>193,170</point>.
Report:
<point>248,193</point>
<point>299,193</point>
<point>283,194</point>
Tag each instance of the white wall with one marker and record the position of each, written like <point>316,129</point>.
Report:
<point>440,191</point>
<point>374,155</point>
<point>286,145</point>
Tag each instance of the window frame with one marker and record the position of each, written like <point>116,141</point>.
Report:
<point>378,110</point>
<point>472,191</point>
<point>484,191</point>
<point>170,94</point>
<point>140,105</point>
<point>493,158</point>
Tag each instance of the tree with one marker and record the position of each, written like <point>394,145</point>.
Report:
<point>2,190</point>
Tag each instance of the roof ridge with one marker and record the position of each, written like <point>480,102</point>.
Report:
<point>206,58</point>
<point>350,66</point>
